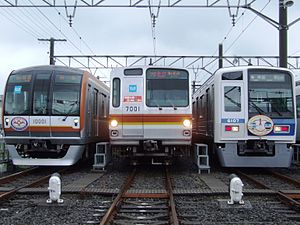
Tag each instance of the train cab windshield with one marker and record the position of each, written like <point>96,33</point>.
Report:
<point>167,88</point>
<point>66,95</point>
<point>270,93</point>
<point>28,94</point>
<point>17,95</point>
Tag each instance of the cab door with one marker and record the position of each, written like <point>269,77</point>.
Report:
<point>39,121</point>
<point>132,106</point>
<point>233,110</point>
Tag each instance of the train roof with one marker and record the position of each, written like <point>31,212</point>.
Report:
<point>146,67</point>
<point>233,69</point>
<point>49,67</point>
<point>238,68</point>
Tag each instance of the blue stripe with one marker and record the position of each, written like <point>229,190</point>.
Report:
<point>290,122</point>
<point>232,120</point>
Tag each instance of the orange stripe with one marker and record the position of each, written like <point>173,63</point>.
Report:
<point>53,129</point>
<point>45,129</point>
<point>83,97</point>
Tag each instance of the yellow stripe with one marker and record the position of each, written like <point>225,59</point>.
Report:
<point>151,123</point>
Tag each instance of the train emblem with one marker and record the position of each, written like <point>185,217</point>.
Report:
<point>260,125</point>
<point>19,123</point>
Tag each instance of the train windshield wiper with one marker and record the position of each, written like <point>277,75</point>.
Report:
<point>70,110</point>
<point>157,105</point>
<point>258,109</point>
<point>172,104</point>
<point>276,110</point>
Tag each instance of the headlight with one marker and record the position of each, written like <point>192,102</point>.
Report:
<point>76,120</point>
<point>187,123</point>
<point>7,120</point>
<point>114,123</point>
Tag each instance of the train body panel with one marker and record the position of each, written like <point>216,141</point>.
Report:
<point>253,122</point>
<point>150,105</point>
<point>297,92</point>
<point>52,113</point>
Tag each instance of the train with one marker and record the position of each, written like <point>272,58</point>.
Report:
<point>150,113</point>
<point>297,93</point>
<point>1,97</point>
<point>53,115</point>
<point>247,116</point>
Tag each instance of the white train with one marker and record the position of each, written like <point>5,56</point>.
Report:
<point>248,116</point>
<point>53,115</point>
<point>297,92</point>
<point>150,112</point>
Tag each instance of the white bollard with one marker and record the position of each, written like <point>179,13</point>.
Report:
<point>54,189</point>
<point>235,190</point>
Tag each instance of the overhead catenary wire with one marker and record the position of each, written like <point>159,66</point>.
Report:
<point>81,40</point>
<point>57,28</point>
<point>153,17</point>
<point>240,34</point>
<point>36,22</point>
<point>20,23</point>
<point>75,31</point>
<point>248,25</point>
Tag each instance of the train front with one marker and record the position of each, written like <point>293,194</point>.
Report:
<point>41,116</point>
<point>150,113</point>
<point>258,118</point>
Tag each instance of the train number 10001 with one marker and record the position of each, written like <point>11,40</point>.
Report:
<point>132,108</point>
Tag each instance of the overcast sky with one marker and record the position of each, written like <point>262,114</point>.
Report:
<point>127,31</point>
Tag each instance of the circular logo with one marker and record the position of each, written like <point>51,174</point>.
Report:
<point>19,123</point>
<point>260,125</point>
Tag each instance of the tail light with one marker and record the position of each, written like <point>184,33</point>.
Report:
<point>232,128</point>
<point>281,129</point>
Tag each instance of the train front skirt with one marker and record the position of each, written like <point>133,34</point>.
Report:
<point>73,155</point>
<point>229,157</point>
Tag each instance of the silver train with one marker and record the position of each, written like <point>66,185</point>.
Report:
<point>53,115</point>
<point>247,115</point>
<point>297,92</point>
<point>150,112</point>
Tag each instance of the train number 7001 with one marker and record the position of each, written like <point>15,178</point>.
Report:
<point>132,108</point>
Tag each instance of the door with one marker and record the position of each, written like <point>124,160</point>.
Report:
<point>40,119</point>
<point>133,106</point>
<point>233,110</point>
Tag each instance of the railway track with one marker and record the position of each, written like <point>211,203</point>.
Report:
<point>288,193</point>
<point>151,196</point>
<point>24,179</point>
<point>143,207</point>
<point>32,178</point>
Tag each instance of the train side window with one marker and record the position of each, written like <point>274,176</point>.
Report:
<point>200,109</point>
<point>233,76</point>
<point>232,99</point>
<point>208,104</point>
<point>298,105</point>
<point>103,99</point>
<point>95,103</point>
<point>116,92</point>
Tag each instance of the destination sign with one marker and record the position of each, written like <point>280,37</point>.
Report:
<point>20,78</point>
<point>68,78</point>
<point>166,74</point>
